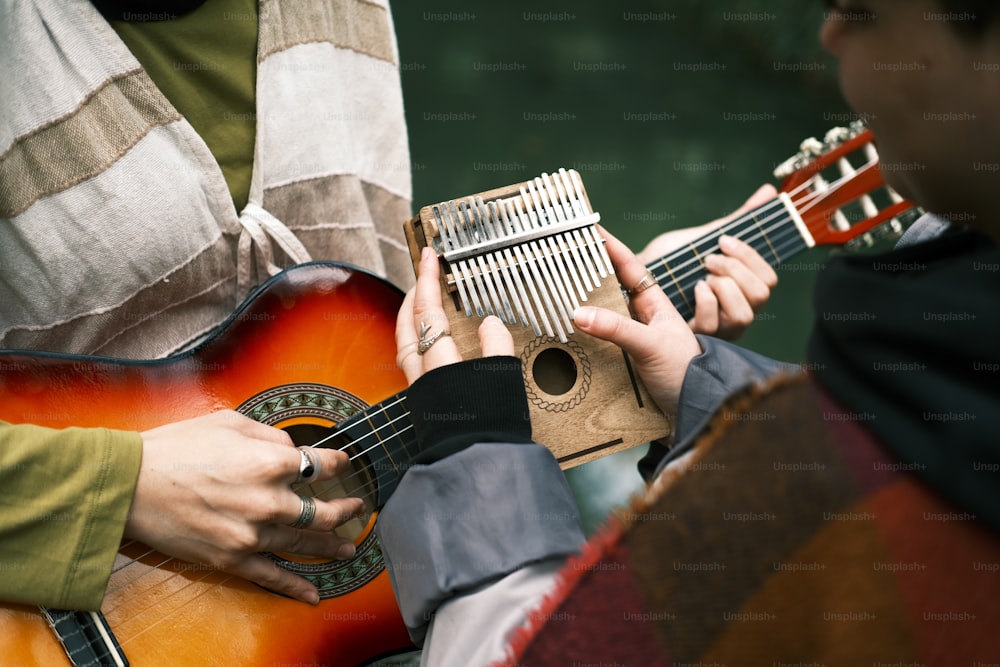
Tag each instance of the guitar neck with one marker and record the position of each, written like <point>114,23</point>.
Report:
<point>382,435</point>
<point>773,229</point>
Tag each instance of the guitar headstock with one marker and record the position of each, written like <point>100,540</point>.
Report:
<point>837,188</point>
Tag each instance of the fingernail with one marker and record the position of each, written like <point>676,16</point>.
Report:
<point>727,243</point>
<point>312,597</point>
<point>426,253</point>
<point>583,316</point>
<point>345,551</point>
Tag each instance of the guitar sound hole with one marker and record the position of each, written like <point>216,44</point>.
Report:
<point>357,481</point>
<point>554,371</point>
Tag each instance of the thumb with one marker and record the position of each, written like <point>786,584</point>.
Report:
<point>613,327</point>
<point>494,338</point>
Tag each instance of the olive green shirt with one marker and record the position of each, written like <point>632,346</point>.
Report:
<point>64,499</point>
<point>205,63</point>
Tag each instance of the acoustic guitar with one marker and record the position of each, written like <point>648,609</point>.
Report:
<point>312,351</point>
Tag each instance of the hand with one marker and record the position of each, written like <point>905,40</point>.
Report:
<point>739,281</point>
<point>658,339</point>
<point>423,305</point>
<point>217,490</point>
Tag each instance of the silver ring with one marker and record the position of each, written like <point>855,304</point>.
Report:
<point>425,343</point>
<point>307,513</point>
<point>647,281</point>
<point>309,467</point>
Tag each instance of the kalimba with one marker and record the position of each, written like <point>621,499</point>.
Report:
<point>530,253</point>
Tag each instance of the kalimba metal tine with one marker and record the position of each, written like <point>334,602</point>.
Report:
<point>515,271</point>
<point>501,276</point>
<point>564,211</point>
<point>479,286</point>
<point>550,200</point>
<point>525,310</point>
<point>565,273</point>
<point>554,273</point>
<point>553,289</point>
<point>444,238</point>
<point>559,194</point>
<point>531,279</point>
<point>487,279</point>
<point>447,240</point>
<point>463,278</point>
<point>461,234</point>
<point>542,300</point>
<point>502,283</point>
<point>567,249</point>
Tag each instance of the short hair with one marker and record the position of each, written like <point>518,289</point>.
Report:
<point>970,16</point>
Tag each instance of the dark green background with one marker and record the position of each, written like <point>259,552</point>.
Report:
<point>499,93</point>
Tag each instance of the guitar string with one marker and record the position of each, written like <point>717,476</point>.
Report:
<point>808,201</point>
<point>803,204</point>
<point>775,204</point>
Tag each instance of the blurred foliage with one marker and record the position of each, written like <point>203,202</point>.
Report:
<point>673,112</point>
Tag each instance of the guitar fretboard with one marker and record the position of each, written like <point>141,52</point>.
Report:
<point>86,638</point>
<point>772,229</point>
<point>382,438</point>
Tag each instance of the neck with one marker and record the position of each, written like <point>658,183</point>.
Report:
<point>773,229</point>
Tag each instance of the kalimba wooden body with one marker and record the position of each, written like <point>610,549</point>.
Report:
<point>530,253</point>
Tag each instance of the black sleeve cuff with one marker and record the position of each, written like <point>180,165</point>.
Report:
<point>478,400</point>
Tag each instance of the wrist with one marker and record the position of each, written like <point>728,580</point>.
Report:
<point>478,400</point>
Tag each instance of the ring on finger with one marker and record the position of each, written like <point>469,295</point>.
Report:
<point>307,513</point>
<point>644,283</point>
<point>426,341</point>
<point>309,466</point>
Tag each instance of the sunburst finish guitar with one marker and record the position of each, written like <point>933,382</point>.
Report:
<point>313,348</point>
<point>312,352</point>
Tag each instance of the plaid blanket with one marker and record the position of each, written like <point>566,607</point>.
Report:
<point>788,537</point>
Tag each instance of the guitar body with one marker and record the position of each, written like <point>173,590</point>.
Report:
<point>312,347</point>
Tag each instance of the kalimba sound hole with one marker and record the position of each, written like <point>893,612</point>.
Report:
<point>554,371</point>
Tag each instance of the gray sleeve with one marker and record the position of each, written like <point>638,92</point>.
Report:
<point>471,518</point>
<point>721,370</point>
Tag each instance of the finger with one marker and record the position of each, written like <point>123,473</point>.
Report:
<point>754,289</point>
<point>706,310</point>
<point>429,314</point>
<point>764,194</point>
<point>750,258</point>
<point>303,542</point>
<point>647,304</point>
<point>252,428</point>
<point>331,462</point>
<point>406,340</point>
<point>494,338</point>
<point>310,463</point>
<point>303,511</point>
<point>608,325</point>
<point>642,342</point>
<point>266,573</point>
<point>333,513</point>
<point>627,266</point>
<point>733,306</point>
